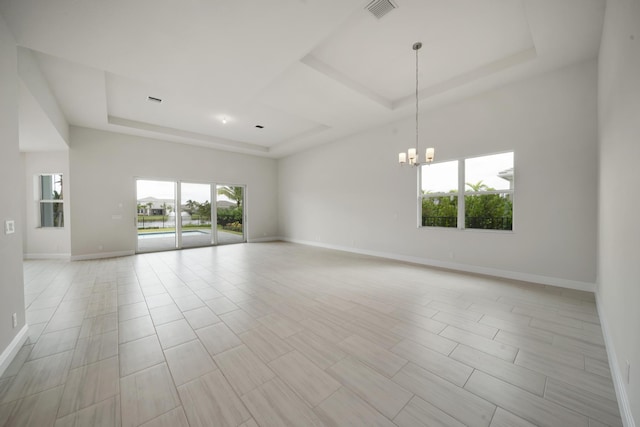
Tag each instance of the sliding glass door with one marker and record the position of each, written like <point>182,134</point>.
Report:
<point>156,202</point>
<point>230,218</point>
<point>176,215</point>
<point>195,217</point>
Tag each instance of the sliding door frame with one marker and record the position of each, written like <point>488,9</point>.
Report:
<point>215,241</point>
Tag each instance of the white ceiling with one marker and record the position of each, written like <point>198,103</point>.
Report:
<point>309,71</point>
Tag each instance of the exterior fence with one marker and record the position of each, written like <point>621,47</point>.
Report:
<point>474,222</point>
<point>166,221</point>
<point>145,223</point>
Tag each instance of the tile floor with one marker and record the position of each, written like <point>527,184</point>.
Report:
<point>277,334</point>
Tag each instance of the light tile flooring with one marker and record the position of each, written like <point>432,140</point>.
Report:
<point>162,243</point>
<point>276,334</point>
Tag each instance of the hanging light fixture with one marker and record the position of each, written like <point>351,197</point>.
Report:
<point>411,157</point>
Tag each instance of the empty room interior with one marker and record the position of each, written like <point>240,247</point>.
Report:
<point>319,213</point>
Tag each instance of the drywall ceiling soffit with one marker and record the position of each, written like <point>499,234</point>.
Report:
<point>35,130</point>
<point>127,98</point>
<point>309,71</point>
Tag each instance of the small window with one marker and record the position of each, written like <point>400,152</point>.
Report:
<point>51,201</point>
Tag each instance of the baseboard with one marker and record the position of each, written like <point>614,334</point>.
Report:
<point>6,357</point>
<point>616,374</point>
<point>487,271</point>
<point>64,257</point>
<point>264,239</point>
<point>101,255</point>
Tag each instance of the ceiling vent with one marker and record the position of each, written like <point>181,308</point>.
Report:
<point>380,8</point>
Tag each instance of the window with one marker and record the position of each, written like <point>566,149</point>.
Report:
<point>440,195</point>
<point>488,194</point>
<point>474,193</point>
<point>51,201</point>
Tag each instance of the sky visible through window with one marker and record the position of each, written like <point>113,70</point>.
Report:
<point>165,190</point>
<point>443,177</point>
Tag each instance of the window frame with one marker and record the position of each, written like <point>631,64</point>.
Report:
<point>422,196</point>
<point>42,201</point>
<point>461,194</point>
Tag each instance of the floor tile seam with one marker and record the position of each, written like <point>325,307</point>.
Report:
<point>277,375</point>
<point>173,380</point>
<point>88,406</point>
<point>478,349</point>
<point>491,402</point>
<point>413,396</point>
<point>614,403</point>
<point>581,371</point>
<point>453,415</point>
<point>370,405</point>
<point>137,338</point>
<point>461,327</point>
<point>28,359</point>
<point>540,397</point>
<point>164,413</point>
<point>218,369</point>
<point>34,394</point>
<point>503,379</point>
<point>578,331</point>
<point>603,421</point>
<point>336,377</point>
<point>138,370</point>
<point>87,365</point>
<point>44,290</point>
<point>565,351</point>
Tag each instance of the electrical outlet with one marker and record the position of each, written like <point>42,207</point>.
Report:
<point>9,226</point>
<point>14,319</point>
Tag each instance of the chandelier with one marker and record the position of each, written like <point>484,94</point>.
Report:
<point>412,155</point>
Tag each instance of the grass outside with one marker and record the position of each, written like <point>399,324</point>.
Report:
<point>221,228</point>
<point>156,230</point>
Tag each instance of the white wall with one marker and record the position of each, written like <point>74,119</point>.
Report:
<point>353,195</point>
<point>11,276</point>
<point>619,228</point>
<point>37,85</point>
<point>48,242</point>
<point>103,167</point>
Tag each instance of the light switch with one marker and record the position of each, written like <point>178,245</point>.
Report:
<point>9,226</point>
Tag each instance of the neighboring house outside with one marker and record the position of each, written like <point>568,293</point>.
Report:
<point>154,206</point>
<point>507,174</point>
<point>225,204</point>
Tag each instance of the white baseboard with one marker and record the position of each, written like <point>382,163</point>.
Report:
<point>616,374</point>
<point>101,255</point>
<point>6,357</point>
<point>487,271</point>
<point>64,257</point>
<point>264,239</point>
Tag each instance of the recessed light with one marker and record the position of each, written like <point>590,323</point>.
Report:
<point>260,126</point>
<point>224,120</point>
<point>154,99</point>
